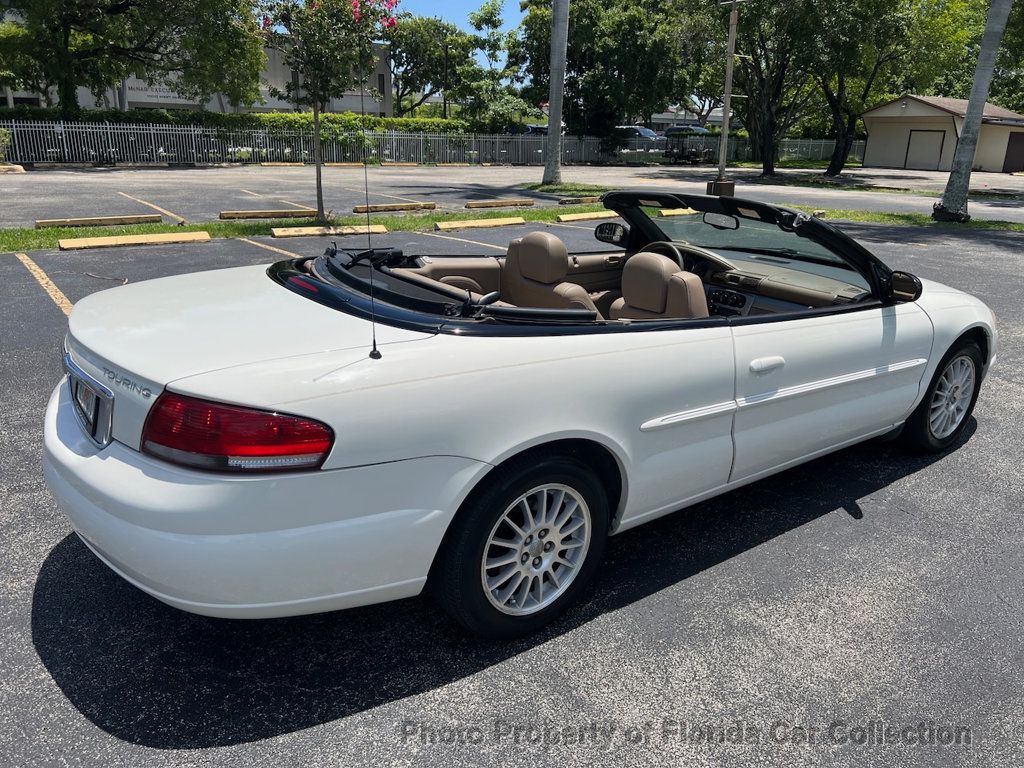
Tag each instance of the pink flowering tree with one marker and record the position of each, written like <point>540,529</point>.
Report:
<point>329,43</point>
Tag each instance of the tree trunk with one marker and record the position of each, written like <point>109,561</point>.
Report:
<point>953,206</point>
<point>844,143</point>
<point>559,45</point>
<point>318,162</point>
<point>67,93</point>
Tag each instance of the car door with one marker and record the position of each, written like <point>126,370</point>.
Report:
<point>812,383</point>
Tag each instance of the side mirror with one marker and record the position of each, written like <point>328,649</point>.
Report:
<point>611,233</point>
<point>904,286</point>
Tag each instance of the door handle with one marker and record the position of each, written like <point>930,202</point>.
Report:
<point>612,259</point>
<point>766,364</point>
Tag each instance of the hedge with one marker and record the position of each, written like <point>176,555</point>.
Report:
<point>333,123</point>
<point>5,143</point>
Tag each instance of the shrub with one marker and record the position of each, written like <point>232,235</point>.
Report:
<point>5,143</point>
<point>334,124</point>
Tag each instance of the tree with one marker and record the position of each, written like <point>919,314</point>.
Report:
<point>773,73</point>
<point>559,43</point>
<point>622,61</point>
<point>855,43</point>
<point>329,44</point>
<point>489,100</point>
<point>425,56</point>
<point>195,47</point>
<point>953,206</point>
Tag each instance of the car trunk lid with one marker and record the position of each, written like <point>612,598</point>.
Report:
<point>136,339</point>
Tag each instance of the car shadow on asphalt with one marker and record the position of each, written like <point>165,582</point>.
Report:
<point>152,675</point>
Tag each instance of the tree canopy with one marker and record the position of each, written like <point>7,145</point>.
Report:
<point>194,47</point>
<point>426,56</point>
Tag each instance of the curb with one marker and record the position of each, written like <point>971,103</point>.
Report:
<point>362,229</point>
<point>287,213</point>
<point>445,226</point>
<point>101,221</point>
<point>594,216</point>
<point>81,243</point>
<point>511,202</point>
<point>386,207</point>
<point>11,169</point>
<point>676,212</point>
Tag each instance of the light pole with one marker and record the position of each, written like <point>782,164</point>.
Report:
<point>721,185</point>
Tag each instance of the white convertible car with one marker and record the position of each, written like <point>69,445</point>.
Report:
<point>237,442</point>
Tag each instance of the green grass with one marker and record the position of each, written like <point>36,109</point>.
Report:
<point>908,219</point>
<point>568,188</point>
<point>26,239</point>
<point>791,162</point>
<point>45,239</point>
<point>823,181</point>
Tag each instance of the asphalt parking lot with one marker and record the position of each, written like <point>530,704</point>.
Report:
<point>200,194</point>
<point>868,586</point>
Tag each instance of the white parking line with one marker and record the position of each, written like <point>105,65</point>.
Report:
<point>178,219</point>
<point>281,251</point>
<point>464,240</point>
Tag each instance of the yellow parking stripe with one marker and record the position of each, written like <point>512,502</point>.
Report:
<point>157,208</point>
<point>282,251</point>
<point>44,280</point>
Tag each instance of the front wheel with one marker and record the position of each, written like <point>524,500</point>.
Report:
<point>523,548</point>
<point>941,417</point>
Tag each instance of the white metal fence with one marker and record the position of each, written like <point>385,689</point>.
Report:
<point>109,143</point>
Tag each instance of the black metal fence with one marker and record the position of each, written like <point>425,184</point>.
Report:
<point>34,142</point>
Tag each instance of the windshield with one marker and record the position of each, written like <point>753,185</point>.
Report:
<point>750,235</point>
<point>647,133</point>
<point>747,239</point>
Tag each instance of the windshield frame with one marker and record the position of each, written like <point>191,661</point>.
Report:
<point>643,229</point>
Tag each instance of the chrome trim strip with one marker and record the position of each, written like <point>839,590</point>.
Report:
<point>693,414</point>
<point>822,384</point>
<point>706,411</point>
<point>100,432</point>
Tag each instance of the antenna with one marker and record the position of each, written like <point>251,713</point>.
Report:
<point>374,352</point>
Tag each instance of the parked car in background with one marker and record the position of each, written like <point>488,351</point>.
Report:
<point>641,139</point>
<point>686,130</point>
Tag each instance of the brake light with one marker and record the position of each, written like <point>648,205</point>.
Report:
<point>214,436</point>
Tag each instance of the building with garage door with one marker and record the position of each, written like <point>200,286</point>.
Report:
<point>921,132</point>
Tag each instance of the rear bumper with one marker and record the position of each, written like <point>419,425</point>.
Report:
<point>259,546</point>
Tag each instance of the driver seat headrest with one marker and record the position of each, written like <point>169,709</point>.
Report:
<point>655,286</point>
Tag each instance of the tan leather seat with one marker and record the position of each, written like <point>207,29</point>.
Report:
<point>534,275</point>
<point>654,286</point>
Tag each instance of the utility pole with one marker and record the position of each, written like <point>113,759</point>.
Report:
<point>444,92</point>
<point>559,44</point>
<point>721,185</point>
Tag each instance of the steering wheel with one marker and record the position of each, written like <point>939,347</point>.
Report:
<point>689,258</point>
<point>671,250</point>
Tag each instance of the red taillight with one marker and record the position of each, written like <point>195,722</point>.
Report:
<point>215,436</point>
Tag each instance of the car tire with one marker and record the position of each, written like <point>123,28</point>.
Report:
<point>541,522</point>
<point>942,415</point>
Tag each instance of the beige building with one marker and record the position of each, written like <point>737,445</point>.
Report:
<point>134,93</point>
<point>921,132</point>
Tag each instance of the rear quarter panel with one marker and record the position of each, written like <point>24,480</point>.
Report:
<point>488,398</point>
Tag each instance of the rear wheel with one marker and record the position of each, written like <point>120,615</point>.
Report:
<point>943,414</point>
<point>523,548</point>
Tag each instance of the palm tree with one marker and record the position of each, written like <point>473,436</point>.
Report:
<point>953,206</point>
<point>559,44</point>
